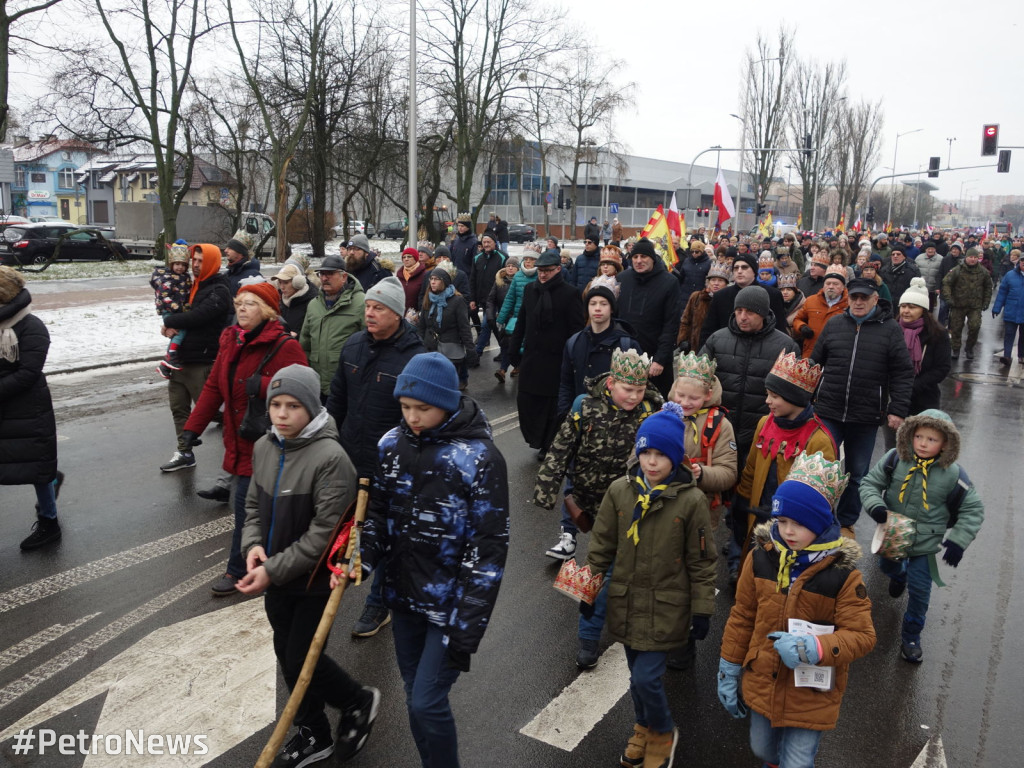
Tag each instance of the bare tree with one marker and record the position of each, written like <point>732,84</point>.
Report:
<point>763,105</point>
<point>12,12</point>
<point>815,91</point>
<point>856,152</point>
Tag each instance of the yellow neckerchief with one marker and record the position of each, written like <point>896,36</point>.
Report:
<point>923,465</point>
<point>788,557</point>
<point>645,495</point>
<point>692,418</point>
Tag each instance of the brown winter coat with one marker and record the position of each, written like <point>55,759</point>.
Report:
<point>815,313</point>
<point>827,592</point>
<point>693,318</point>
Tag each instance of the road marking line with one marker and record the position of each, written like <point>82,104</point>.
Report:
<point>51,585</point>
<point>30,645</point>
<point>932,756</point>
<point>112,631</point>
<point>506,417</point>
<point>507,428</point>
<point>566,721</point>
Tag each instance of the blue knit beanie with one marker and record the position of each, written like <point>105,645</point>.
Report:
<point>802,504</point>
<point>430,378</point>
<point>663,431</point>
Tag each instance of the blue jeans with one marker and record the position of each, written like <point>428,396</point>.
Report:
<point>646,668</point>
<point>375,597</point>
<point>423,664</point>
<point>46,499</point>
<point>859,440</point>
<point>784,747</point>
<point>236,563</point>
<point>914,572</point>
<point>590,629</point>
<point>567,524</point>
<point>483,338</point>
<point>1009,331</point>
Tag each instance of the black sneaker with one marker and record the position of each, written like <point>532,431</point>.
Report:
<point>45,530</point>
<point>586,657</point>
<point>225,586</point>
<point>897,588</point>
<point>303,748</point>
<point>356,723</point>
<point>374,617</point>
<point>217,493</point>
<point>911,651</point>
<point>180,460</point>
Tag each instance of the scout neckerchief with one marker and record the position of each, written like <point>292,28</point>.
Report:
<point>692,419</point>
<point>646,494</point>
<point>792,562</point>
<point>923,465</point>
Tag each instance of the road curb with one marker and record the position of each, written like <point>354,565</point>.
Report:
<point>96,366</point>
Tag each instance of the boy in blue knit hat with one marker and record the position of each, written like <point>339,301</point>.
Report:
<point>437,524</point>
<point>801,603</point>
<point>654,524</point>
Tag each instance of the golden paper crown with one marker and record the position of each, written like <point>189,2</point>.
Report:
<point>577,582</point>
<point>719,269</point>
<point>824,476</point>
<point>766,261</point>
<point>836,270</point>
<point>787,280</point>
<point>700,367</point>
<point>798,371</point>
<point>630,367</point>
<point>464,218</point>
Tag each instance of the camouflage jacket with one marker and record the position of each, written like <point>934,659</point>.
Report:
<point>594,443</point>
<point>967,287</point>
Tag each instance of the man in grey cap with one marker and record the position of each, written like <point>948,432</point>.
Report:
<point>362,400</point>
<point>331,318</point>
<point>362,263</point>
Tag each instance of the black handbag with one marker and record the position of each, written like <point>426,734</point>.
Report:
<point>256,421</point>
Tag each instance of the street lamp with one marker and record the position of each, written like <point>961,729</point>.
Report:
<point>895,149</point>
<point>789,190</point>
<point>960,205</point>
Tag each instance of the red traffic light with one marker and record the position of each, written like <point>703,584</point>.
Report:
<point>991,130</point>
<point>990,139</point>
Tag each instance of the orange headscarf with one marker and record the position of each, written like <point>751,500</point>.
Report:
<point>211,265</point>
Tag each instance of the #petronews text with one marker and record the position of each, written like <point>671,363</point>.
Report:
<point>136,742</point>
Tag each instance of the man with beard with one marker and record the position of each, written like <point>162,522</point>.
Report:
<point>814,280</point>
<point>362,263</point>
<point>830,301</point>
<point>898,273</point>
<point>744,273</point>
<point>551,312</point>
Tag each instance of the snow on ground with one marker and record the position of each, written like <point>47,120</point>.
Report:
<point>102,334</point>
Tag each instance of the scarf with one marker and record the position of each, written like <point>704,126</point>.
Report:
<point>923,465</point>
<point>8,338</point>
<point>646,494</point>
<point>439,301</point>
<point>545,311</point>
<point>912,338</point>
<point>692,421</point>
<point>787,436</point>
<point>410,272</point>
<point>770,281</point>
<point>793,562</point>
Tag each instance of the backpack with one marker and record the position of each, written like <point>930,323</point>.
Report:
<point>956,496</point>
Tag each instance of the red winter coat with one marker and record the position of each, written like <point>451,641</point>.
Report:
<point>236,361</point>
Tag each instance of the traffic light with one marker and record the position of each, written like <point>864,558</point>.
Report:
<point>760,209</point>
<point>807,144</point>
<point>561,199</point>
<point>871,214</point>
<point>990,140</point>
<point>933,167</point>
<point>1003,165</point>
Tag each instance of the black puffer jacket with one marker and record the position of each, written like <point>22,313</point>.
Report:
<point>692,273</point>
<point>652,305</point>
<point>936,363</point>
<point>362,399</point>
<point>28,431</point>
<point>588,355</point>
<point>723,304</point>
<point>209,315</point>
<point>454,328</point>
<point>744,360</point>
<point>868,372</point>
<point>239,271</point>
<point>481,277</point>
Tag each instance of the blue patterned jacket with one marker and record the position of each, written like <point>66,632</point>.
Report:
<point>438,513</point>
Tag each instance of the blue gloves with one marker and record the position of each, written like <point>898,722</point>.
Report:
<point>795,649</point>
<point>954,553</point>
<point>699,626</point>
<point>729,688</point>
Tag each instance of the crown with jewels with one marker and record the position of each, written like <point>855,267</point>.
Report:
<point>605,281</point>
<point>766,261</point>
<point>694,366</point>
<point>836,270</point>
<point>630,367</point>
<point>578,582</point>
<point>824,476</point>
<point>464,218</point>
<point>787,280</point>
<point>719,269</point>
<point>798,371</point>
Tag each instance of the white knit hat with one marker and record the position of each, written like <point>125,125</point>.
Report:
<point>917,293</point>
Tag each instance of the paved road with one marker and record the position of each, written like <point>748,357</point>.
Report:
<point>92,634</point>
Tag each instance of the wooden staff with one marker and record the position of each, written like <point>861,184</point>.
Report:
<point>316,647</point>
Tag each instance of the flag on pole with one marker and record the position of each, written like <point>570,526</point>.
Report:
<point>682,227</point>
<point>767,225</point>
<point>723,200</point>
<point>841,226</point>
<point>673,221</point>
<point>658,233</point>
<point>800,220</point>
<point>857,225</point>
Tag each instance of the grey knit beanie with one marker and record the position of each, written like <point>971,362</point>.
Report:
<point>299,381</point>
<point>390,293</point>
<point>754,298</point>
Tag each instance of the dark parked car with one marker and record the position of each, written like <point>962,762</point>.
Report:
<point>393,230</point>
<point>521,233</point>
<point>35,243</point>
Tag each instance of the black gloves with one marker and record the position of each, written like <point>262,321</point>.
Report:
<point>684,347</point>
<point>806,331</point>
<point>699,626</point>
<point>458,659</point>
<point>586,610</point>
<point>878,514</point>
<point>190,439</point>
<point>954,553</point>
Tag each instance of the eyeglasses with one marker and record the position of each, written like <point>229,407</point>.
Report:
<point>326,272</point>
<point>546,270</point>
<point>246,303</point>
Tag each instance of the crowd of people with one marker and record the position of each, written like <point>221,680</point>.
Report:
<point>660,402</point>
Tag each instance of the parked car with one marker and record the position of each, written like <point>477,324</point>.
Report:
<point>355,227</point>
<point>35,243</point>
<point>49,219</point>
<point>521,233</point>
<point>393,230</point>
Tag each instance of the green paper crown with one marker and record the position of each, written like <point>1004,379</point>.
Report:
<point>694,366</point>
<point>824,476</point>
<point>630,367</point>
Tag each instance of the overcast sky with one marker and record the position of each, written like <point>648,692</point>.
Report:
<point>946,67</point>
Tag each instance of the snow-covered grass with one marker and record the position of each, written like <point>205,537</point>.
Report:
<point>73,270</point>
<point>100,334</point>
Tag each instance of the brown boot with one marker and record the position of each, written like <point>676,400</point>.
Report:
<point>633,757</point>
<point>661,749</point>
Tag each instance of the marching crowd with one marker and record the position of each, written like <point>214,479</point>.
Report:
<point>663,404</point>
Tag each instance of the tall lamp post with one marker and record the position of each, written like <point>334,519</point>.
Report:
<point>413,225</point>
<point>895,149</point>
